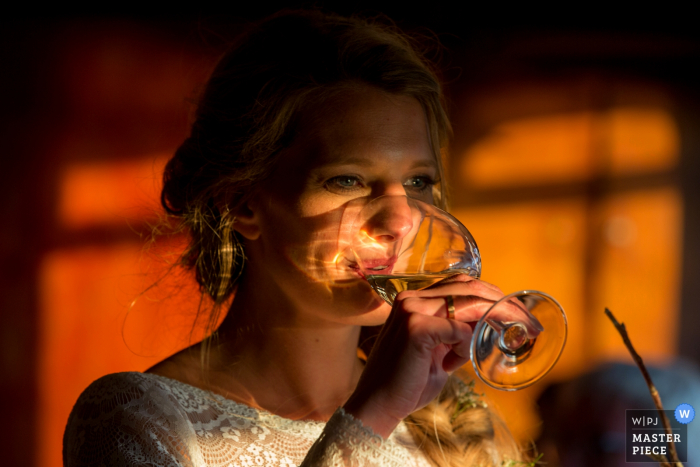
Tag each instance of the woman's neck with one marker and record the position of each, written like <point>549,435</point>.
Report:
<point>273,356</point>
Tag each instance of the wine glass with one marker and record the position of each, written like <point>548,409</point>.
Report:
<point>400,243</point>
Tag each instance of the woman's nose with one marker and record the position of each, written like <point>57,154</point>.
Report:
<point>391,221</point>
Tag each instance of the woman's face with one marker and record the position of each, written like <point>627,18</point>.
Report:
<point>360,144</point>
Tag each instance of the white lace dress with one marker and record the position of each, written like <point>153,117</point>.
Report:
<point>138,419</point>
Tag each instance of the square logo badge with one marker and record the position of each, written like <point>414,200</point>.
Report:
<point>646,438</point>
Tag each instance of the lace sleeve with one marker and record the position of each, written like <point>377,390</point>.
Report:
<point>118,423</point>
<point>346,442</point>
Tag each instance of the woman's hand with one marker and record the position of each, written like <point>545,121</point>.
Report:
<point>416,350</point>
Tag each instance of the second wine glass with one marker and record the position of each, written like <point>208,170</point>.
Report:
<point>400,243</point>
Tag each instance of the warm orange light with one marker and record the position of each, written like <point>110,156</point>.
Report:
<point>641,139</point>
<point>572,147</point>
<point>531,151</point>
<point>367,236</point>
<point>637,274</point>
<point>110,193</point>
<point>367,241</point>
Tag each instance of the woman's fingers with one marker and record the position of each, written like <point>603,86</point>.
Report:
<point>463,278</point>
<point>443,331</point>
<point>458,355</point>
<point>514,310</point>
<point>458,285</point>
<point>453,361</point>
<point>462,285</point>
<point>455,334</point>
<point>469,308</point>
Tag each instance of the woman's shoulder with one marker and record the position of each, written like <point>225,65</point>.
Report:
<point>126,418</point>
<point>121,391</point>
<point>129,384</point>
<point>119,383</point>
<point>131,391</point>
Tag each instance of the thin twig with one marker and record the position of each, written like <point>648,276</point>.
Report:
<point>652,389</point>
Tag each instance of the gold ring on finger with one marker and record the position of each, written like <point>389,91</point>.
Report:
<point>450,306</point>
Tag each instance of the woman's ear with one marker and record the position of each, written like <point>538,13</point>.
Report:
<point>246,222</point>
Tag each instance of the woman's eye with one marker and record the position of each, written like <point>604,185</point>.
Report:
<point>418,183</point>
<point>344,183</point>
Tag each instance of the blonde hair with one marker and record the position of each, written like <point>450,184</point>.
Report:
<point>459,429</point>
<point>249,111</point>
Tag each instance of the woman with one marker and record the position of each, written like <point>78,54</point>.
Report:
<point>308,114</point>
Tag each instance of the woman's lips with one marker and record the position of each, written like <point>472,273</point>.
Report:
<point>370,267</point>
<point>381,266</point>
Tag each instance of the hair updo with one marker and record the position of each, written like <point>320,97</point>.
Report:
<point>249,111</point>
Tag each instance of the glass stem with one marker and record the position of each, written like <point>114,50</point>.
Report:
<point>496,325</point>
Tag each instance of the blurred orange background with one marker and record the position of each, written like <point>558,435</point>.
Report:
<point>573,172</point>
